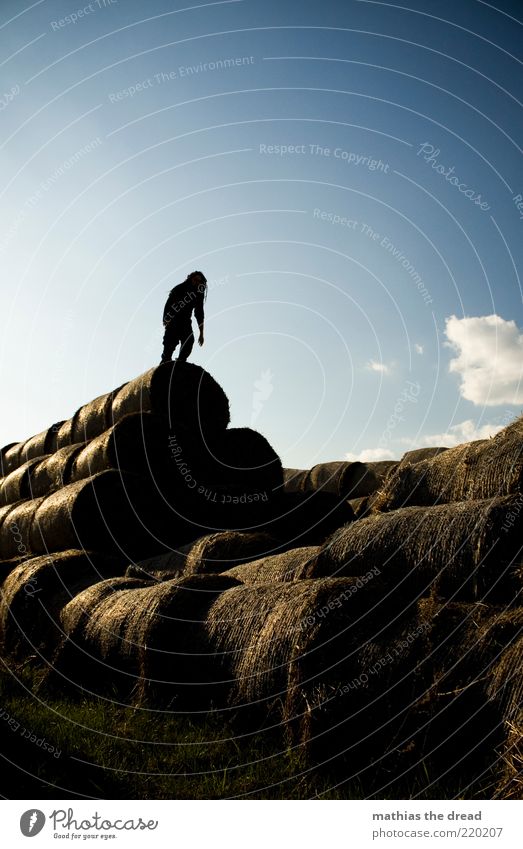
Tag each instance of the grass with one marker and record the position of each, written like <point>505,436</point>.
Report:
<point>108,751</point>
<point>104,750</point>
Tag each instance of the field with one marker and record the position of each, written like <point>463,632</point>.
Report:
<point>110,752</point>
<point>351,631</point>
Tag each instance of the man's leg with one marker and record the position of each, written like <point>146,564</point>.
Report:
<point>186,343</point>
<point>170,341</point>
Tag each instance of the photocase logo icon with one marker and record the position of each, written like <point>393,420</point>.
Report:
<point>32,822</point>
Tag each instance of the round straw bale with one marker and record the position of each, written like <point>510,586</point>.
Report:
<point>42,444</point>
<point>485,651</point>
<point>292,565</point>
<point>211,553</point>
<point>16,528</point>
<point>157,575</point>
<point>73,667</point>
<point>223,508</point>
<point>137,443</point>
<point>55,471</point>
<point>250,626</point>
<point>183,392</point>
<point>146,639</point>
<point>293,646</point>
<point>193,482</point>
<point>11,457</point>
<point>3,451</point>
<point>106,512</point>
<point>76,614</point>
<point>4,512</point>
<point>17,485</point>
<point>35,592</point>
<point>7,566</point>
<point>506,681</point>
<point>506,690</point>
<point>54,430</point>
<point>509,784</point>
<point>223,550</point>
<point>462,720</point>
<point>171,564</point>
<point>64,434</point>
<point>373,478</point>
<point>294,480</point>
<point>244,459</point>
<point>35,446</point>
<point>464,550</point>
<point>93,418</point>
<point>307,519</point>
<point>338,478</point>
<point>214,506</point>
<point>485,468</point>
<point>468,640</point>
<point>187,462</point>
<point>349,480</point>
<point>360,506</point>
<point>88,421</point>
<point>419,454</point>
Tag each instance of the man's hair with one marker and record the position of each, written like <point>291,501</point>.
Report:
<point>197,274</point>
<point>202,286</point>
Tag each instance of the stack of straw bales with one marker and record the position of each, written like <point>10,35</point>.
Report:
<point>373,611</point>
<point>210,553</point>
<point>108,479</point>
<point>343,479</point>
<point>486,468</point>
<point>34,593</point>
<point>291,647</point>
<point>307,518</point>
<point>143,640</point>
<point>458,551</point>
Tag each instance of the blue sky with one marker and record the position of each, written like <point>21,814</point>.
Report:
<point>346,174</point>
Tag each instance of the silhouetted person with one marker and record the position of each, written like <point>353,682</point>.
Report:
<point>183,300</point>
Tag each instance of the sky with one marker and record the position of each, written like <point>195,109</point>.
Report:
<point>346,174</point>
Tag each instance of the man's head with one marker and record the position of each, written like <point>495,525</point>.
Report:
<point>198,279</point>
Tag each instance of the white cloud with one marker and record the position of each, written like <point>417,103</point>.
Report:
<point>370,455</point>
<point>489,359</point>
<point>418,348</point>
<point>465,431</point>
<point>380,367</point>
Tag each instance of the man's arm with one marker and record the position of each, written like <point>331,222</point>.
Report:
<point>200,317</point>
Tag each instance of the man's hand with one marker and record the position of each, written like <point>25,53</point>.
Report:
<point>201,339</point>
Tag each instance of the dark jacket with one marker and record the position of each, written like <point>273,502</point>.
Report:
<point>182,301</point>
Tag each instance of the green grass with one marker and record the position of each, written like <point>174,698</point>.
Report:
<point>108,751</point>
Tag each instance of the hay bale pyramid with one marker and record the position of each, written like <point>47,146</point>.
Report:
<point>373,612</point>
